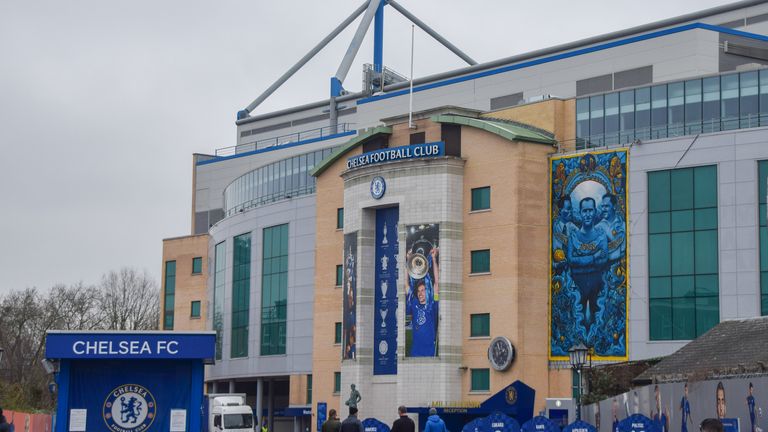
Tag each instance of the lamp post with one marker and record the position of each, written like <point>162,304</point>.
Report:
<point>578,358</point>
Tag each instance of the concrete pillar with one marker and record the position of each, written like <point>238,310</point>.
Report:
<point>231,386</point>
<point>271,405</point>
<point>259,399</point>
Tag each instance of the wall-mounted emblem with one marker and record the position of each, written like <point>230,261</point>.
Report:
<point>378,187</point>
<point>129,408</point>
<point>511,395</point>
<point>501,353</point>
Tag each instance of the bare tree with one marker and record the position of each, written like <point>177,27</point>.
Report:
<point>129,300</point>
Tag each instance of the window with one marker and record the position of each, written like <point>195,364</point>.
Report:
<point>481,380</point>
<point>481,261</point>
<point>337,333</point>
<point>481,198</point>
<point>339,275</point>
<point>170,294</point>
<point>197,265</point>
<point>575,383</point>
<point>274,290</point>
<point>195,309</point>
<point>241,297</point>
<point>309,389</point>
<point>682,252</point>
<point>337,382</point>
<point>340,218</point>
<point>762,179</point>
<point>480,325</point>
<point>418,138</point>
<point>220,265</point>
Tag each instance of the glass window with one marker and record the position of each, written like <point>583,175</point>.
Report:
<point>274,291</point>
<point>627,116</point>
<point>763,97</point>
<point>682,252</point>
<point>337,382</point>
<point>582,122</point>
<point>676,108</point>
<point>480,325</point>
<point>340,218</point>
<point>481,380</point>
<point>762,191</point>
<point>170,294</point>
<point>337,333</point>
<point>195,309</point>
<point>729,101</point>
<point>643,113</point>
<point>481,198</point>
<point>575,388</point>
<point>197,265</point>
<point>339,275</point>
<point>481,261</point>
<point>711,104</point>
<point>658,111</point>
<point>241,289</point>
<point>748,100</point>
<point>596,126</point>
<point>612,118</point>
<point>219,266</point>
<point>692,107</point>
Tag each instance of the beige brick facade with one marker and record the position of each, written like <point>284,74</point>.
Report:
<point>189,286</point>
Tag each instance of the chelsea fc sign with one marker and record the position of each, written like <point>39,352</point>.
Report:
<point>129,408</point>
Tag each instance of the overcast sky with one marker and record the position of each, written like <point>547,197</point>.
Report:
<point>102,103</point>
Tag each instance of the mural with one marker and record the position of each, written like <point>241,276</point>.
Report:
<point>422,290</point>
<point>350,296</point>
<point>588,287</point>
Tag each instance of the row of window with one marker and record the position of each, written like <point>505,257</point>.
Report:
<point>480,326</point>
<point>704,105</point>
<point>480,380</point>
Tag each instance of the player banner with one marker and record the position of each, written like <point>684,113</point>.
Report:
<point>422,290</point>
<point>349,285</point>
<point>385,293</point>
<point>588,227</point>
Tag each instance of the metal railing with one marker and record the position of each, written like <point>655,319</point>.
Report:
<point>284,139</point>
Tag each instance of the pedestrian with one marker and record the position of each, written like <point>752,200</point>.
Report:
<point>332,424</point>
<point>711,425</point>
<point>4,426</point>
<point>434,422</point>
<point>264,425</point>
<point>352,423</point>
<point>403,423</point>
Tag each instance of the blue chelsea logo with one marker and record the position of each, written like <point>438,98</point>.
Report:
<point>378,187</point>
<point>129,408</point>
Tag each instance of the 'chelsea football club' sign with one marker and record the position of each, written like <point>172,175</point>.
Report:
<point>129,408</point>
<point>414,151</point>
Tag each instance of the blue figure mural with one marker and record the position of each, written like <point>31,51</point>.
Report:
<point>588,287</point>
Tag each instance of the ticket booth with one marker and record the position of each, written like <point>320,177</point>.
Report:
<point>129,381</point>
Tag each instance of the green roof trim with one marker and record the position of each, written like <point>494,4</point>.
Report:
<point>506,130</point>
<point>349,145</point>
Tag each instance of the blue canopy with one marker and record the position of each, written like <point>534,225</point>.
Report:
<point>638,423</point>
<point>374,425</point>
<point>540,424</point>
<point>579,426</point>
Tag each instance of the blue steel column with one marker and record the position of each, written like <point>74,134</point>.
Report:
<point>62,408</point>
<point>196,396</point>
<point>378,39</point>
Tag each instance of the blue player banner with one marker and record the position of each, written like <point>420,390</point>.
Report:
<point>588,243</point>
<point>385,294</point>
<point>349,307</point>
<point>422,290</point>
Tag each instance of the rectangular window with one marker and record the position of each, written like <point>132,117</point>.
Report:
<point>339,275</point>
<point>194,309</point>
<point>337,382</point>
<point>611,118</point>
<point>220,265</point>
<point>309,389</point>
<point>481,261</point>
<point>197,265</point>
<point>729,103</point>
<point>241,297</point>
<point>682,252</point>
<point>481,380</point>
<point>762,179</point>
<point>481,198</point>
<point>274,290</point>
<point>596,121</point>
<point>170,294</point>
<point>480,325</point>
<point>582,123</point>
<point>575,384</point>
<point>340,218</point>
<point>659,111</point>
<point>337,333</point>
<point>627,116</point>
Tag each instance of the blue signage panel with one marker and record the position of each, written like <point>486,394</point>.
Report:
<point>414,151</point>
<point>730,424</point>
<point>140,346</point>
<point>385,293</point>
<point>322,414</point>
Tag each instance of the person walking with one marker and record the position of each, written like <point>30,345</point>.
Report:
<point>332,424</point>
<point>352,423</point>
<point>434,422</point>
<point>4,426</point>
<point>403,423</point>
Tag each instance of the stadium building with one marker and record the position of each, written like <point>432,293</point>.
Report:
<point>609,191</point>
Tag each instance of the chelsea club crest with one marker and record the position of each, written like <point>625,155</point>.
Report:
<point>378,187</point>
<point>129,408</point>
